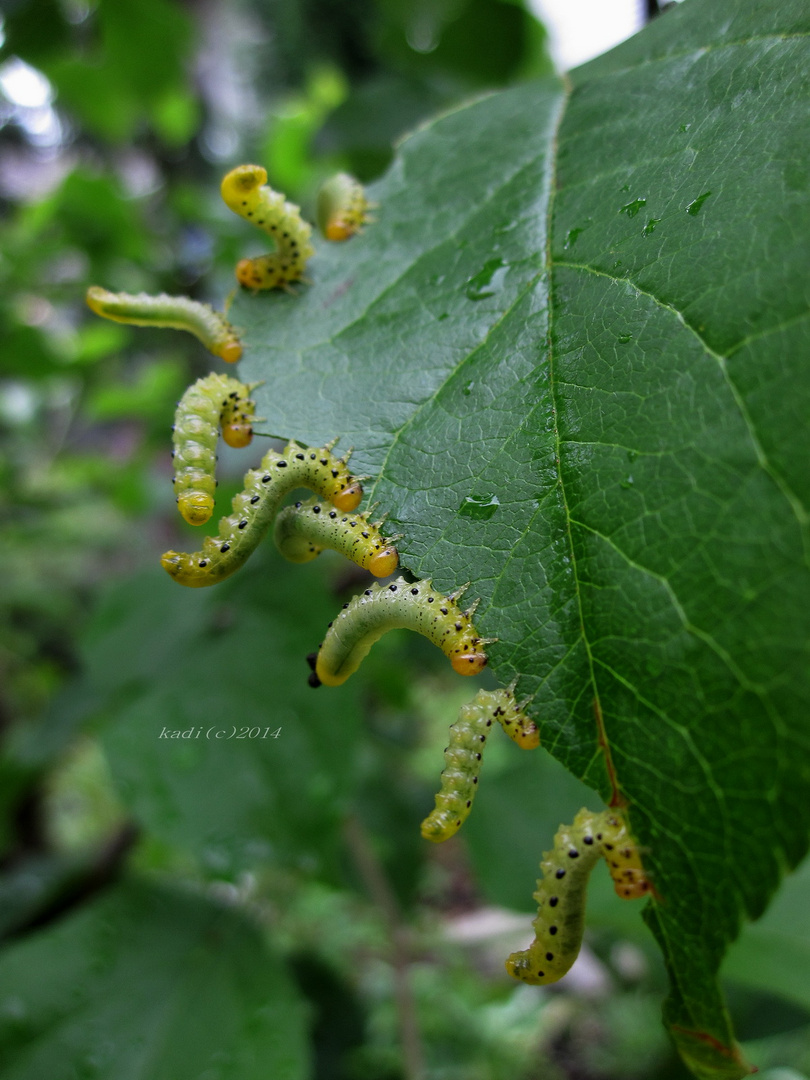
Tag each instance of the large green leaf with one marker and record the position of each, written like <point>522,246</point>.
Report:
<point>570,351</point>
<point>149,984</point>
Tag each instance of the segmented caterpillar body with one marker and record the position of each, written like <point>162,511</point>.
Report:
<point>245,191</point>
<point>464,756</point>
<point>561,891</point>
<point>380,608</point>
<point>174,312</point>
<point>255,508</point>
<point>210,403</point>
<point>302,532</point>
<point>624,860</point>
<point>342,207</point>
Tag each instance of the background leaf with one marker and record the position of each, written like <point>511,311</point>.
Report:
<point>167,984</point>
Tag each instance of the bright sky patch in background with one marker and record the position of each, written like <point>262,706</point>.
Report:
<point>581,29</point>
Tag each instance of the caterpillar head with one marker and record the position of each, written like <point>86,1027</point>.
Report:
<point>384,562</point>
<point>237,434</point>
<point>230,352</point>
<point>469,663</point>
<point>241,181</point>
<point>349,498</point>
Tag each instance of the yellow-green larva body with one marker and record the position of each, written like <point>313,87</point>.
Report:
<point>302,532</point>
<point>342,207</point>
<point>255,508</point>
<point>560,895</point>
<point>464,756</point>
<point>173,312</point>
<point>380,608</point>
<point>210,403</point>
<point>245,191</point>
<point>624,860</point>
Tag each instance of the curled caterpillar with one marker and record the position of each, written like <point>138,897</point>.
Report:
<point>464,755</point>
<point>561,891</point>
<point>175,312</point>
<point>245,191</point>
<point>302,532</point>
<point>380,608</point>
<point>342,207</point>
<point>255,508</point>
<point>211,402</point>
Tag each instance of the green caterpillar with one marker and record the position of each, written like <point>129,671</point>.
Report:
<point>380,608</point>
<point>302,532</point>
<point>174,312</point>
<point>245,191</point>
<point>624,860</point>
<point>342,207</point>
<point>210,403</point>
<point>255,508</point>
<point>561,891</point>
<point>464,754</point>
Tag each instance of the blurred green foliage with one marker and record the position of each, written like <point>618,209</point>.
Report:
<point>237,937</point>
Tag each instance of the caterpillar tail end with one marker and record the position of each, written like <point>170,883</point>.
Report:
<point>299,553</point>
<point>469,663</point>
<point>196,507</point>
<point>519,966</point>
<point>176,566</point>
<point>95,298</point>
<point>436,830</point>
<point>326,677</point>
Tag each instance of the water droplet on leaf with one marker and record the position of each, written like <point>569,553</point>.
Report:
<point>695,205</point>
<point>479,507</point>
<point>573,234</point>
<point>632,208</point>
<point>487,281</point>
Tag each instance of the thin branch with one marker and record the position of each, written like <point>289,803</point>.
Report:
<point>380,891</point>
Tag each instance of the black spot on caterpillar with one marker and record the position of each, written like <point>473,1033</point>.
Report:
<point>245,191</point>
<point>302,532</point>
<point>255,508</point>
<point>210,403</point>
<point>380,608</point>
<point>561,891</point>
<point>464,756</point>
<point>342,207</point>
<point>624,860</point>
<point>174,312</point>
